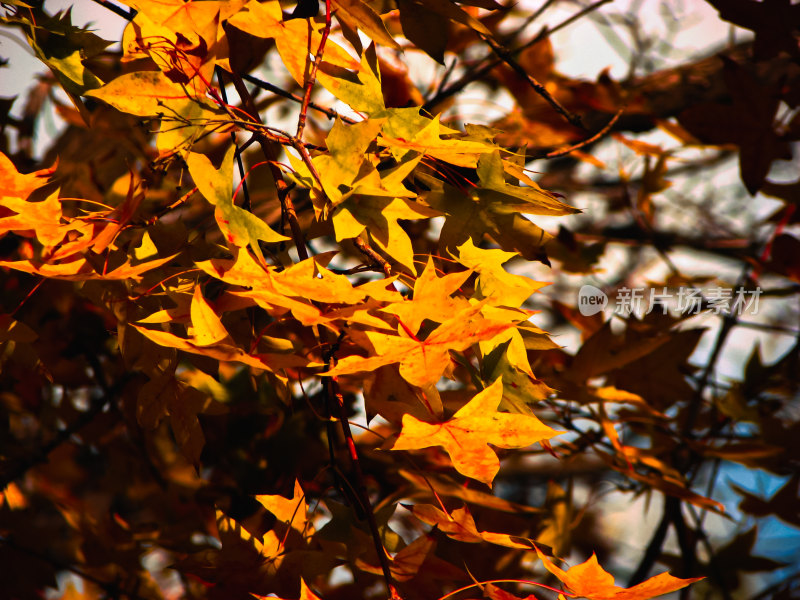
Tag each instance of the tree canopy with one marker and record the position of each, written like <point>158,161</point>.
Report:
<point>277,316</point>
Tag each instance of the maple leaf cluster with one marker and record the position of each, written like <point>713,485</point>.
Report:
<point>246,355</point>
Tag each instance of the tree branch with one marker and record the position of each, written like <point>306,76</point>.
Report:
<point>312,76</point>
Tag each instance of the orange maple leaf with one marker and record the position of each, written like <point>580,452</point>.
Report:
<point>288,510</point>
<point>466,436</point>
<point>460,525</point>
<point>590,580</point>
<point>423,362</point>
<point>432,298</point>
<point>19,185</point>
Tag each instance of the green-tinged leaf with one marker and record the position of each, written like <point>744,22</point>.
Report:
<point>508,198</point>
<point>240,227</point>
<point>428,140</point>
<point>346,147</point>
<point>359,87</point>
<point>471,216</point>
<point>379,217</point>
<point>62,46</point>
<point>505,357</point>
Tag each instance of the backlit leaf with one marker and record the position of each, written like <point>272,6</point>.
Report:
<point>590,580</point>
<point>467,435</point>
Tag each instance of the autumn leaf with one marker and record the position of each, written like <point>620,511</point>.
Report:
<point>434,298</point>
<point>288,510</point>
<point>428,140</point>
<point>63,47</point>
<point>469,216</point>
<point>467,435</point>
<point>42,219</point>
<point>505,356</point>
<point>222,351</point>
<point>590,580</point>
<point>240,227</point>
<point>305,593</point>
<point>444,486</point>
<point>747,121</point>
<point>460,525</point>
<point>360,15</point>
<point>494,281</point>
<point>143,93</point>
<point>207,329</point>
<point>14,184</point>
<point>339,167</point>
<point>422,362</point>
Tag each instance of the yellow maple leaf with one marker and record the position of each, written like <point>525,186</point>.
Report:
<point>380,217</point>
<point>428,140</point>
<point>207,329</point>
<point>494,282</point>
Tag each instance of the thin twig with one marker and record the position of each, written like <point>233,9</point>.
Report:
<point>128,15</point>
<point>265,85</point>
<point>653,550</point>
<point>240,164</point>
<point>508,58</point>
<point>281,186</point>
<point>368,251</point>
<point>493,62</point>
<point>361,488</point>
<point>312,76</point>
<point>587,141</point>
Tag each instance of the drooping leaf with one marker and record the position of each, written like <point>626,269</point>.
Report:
<point>240,227</point>
<point>460,525</point>
<point>207,329</point>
